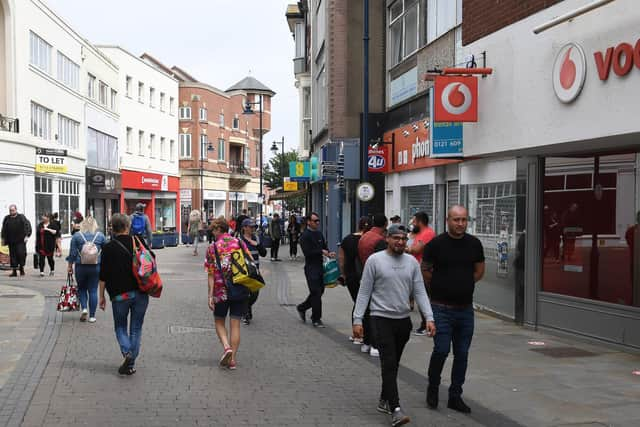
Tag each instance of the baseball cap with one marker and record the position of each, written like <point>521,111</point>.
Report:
<point>140,206</point>
<point>395,218</point>
<point>396,229</point>
<point>248,223</point>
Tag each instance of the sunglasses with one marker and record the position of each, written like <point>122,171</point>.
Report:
<point>315,220</point>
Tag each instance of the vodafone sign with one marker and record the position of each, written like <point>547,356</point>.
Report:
<point>569,72</point>
<point>455,99</point>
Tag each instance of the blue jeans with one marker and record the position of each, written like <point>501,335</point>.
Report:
<point>87,278</point>
<point>130,340</point>
<point>453,325</point>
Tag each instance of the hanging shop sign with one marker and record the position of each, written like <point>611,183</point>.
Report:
<point>378,159</point>
<point>50,160</point>
<point>290,186</point>
<point>103,182</point>
<point>446,139</point>
<point>299,171</point>
<point>456,99</point>
<point>365,192</point>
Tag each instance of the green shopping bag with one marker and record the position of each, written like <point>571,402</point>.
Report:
<point>330,272</point>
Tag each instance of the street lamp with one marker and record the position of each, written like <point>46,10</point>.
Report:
<point>203,156</point>
<point>274,150</point>
<point>248,109</point>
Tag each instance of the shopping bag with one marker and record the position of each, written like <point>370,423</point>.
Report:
<point>68,300</point>
<point>244,271</point>
<point>145,269</point>
<point>235,292</point>
<point>330,272</point>
<point>266,240</point>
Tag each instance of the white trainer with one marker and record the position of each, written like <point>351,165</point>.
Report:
<point>365,348</point>
<point>374,352</point>
<point>93,320</point>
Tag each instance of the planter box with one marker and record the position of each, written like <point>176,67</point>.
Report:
<point>171,239</point>
<point>157,240</point>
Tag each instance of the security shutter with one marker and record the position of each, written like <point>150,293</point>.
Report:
<point>419,198</point>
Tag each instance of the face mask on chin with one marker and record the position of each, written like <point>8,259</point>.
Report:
<point>416,228</point>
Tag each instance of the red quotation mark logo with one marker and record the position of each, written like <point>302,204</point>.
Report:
<point>569,72</point>
<point>456,98</point>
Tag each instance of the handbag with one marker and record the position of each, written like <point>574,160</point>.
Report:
<point>235,292</point>
<point>330,272</point>
<point>266,240</point>
<point>144,267</point>
<point>68,300</point>
<point>244,271</point>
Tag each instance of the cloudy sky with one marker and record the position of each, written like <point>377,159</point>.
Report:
<point>217,41</point>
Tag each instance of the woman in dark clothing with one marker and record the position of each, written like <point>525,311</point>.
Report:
<point>46,237</point>
<point>293,230</point>
<point>116,276</point>
<point>254,245</point>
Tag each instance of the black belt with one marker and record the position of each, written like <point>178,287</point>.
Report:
<point>456,306</point>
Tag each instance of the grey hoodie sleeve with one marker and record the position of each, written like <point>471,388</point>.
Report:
<point>366,289</point>
<point>420,293</point>
<point>149,231</point>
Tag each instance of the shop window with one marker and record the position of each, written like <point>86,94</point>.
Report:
<point>590,227</point>
<point>403,30</point>
<point>68,202</point>
<point>44,196</point>
<point>165,215</point>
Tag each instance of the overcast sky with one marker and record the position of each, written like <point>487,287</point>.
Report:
<point>216,41</point>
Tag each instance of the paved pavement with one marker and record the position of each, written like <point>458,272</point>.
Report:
<point>288,373</point>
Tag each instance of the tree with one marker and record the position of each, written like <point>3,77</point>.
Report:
<point>273,178</point>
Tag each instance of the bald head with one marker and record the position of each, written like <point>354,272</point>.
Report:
<point>457,221</point>
<point>457,210</point>
<point>13,210</point>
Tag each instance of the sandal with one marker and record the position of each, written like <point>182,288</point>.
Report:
<point>226,356</point>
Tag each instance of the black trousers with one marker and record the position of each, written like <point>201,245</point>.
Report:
<point>253,297</point>
<point>17,255</point>
<point>275,245</point>
<point>293,247</point>
<point>391,337</point>
<point>52,263</point>
<point>367,338</point>
<point>316,289</point>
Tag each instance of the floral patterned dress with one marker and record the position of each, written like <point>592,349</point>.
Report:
<point>225,245</point>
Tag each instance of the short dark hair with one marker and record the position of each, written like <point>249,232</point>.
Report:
<point>422,217</point>
<point>311,214</point>
<point>120,223</point>
<point>363,223</point>
<point>380,220</point>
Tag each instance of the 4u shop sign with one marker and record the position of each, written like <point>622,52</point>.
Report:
<point>134,180</point>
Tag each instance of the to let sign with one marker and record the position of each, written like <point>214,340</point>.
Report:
<point>51,161</point>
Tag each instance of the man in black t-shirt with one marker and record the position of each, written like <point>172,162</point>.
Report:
<point>451,264</point>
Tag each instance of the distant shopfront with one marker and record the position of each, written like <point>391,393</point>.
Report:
<point>103,195</point>
<point>159,194</point>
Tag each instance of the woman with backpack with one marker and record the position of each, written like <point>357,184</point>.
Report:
<point>225,298</point>
<point>129,305</point>
<point>84,253</point>
<point>256,249</point>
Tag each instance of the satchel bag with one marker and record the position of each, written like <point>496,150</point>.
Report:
<point>244,271</point>
<point>330,272</point>
<point>235,292</point>
<point>68,300</point>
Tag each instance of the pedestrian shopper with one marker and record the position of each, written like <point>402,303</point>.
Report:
<point>395,219</point>
<point>75,223</point>
<point>275,231</point>
<point>314,247</point>
<point>218,266</point>
<point>128,304</point>
<point>84,252</point>
<point>195,222</point>
<point>351,271</point>
<point>16,230</point>
<point>140,224</point>
<point>239,220</point>
<point>451,265</point>
<point>56,225</point>
<point>389,279</point>
<point>293,231</point>
<point>371,242</point>
<point>422,235</point>
<point>46,238</point>
<point>254,245</point>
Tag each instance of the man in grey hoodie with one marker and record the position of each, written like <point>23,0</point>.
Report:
<point>389,279</point>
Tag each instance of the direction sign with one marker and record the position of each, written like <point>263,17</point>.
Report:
<point>299,171</point>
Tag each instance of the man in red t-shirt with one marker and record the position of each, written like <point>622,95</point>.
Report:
<point>423,234</point>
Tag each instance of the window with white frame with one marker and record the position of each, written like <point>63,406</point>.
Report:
<point>68,72</point>
<point>442,16</point>
<point>162,99</point>
<point>152,97</point>
<point>140,143</point>
<point>247,157</point>
<point>140,92</point>
<point>129,82</point>
<point>404,35</point>
<point>221,120</point>
<point>102,150</point>
<point>172,150</point>
<point>44,196</point>
<point>162,148</point>
<point>185,113</point>
<point>185,145</point>
<point>172,105</point>
<point>103,93</point>
<point>221,149</point>
<point>203,114</point>
<point>40,121</point>
<point>91,86</point>
<point>203,146</point>
<point>68,132</point>
<point>114,100</point>
<point>129,139</point>
<point>40,52</point>
<point>236,122</point>
<point>68,203</point>
<point>152,146</point>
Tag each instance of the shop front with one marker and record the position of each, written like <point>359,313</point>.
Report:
<point>159,194</point>
<point>215,202</point>
<point>103,196</point>
<point>566,114</point>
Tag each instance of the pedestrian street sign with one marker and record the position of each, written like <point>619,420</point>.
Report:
<point>299,171</point>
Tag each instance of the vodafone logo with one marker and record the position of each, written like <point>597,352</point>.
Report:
<point>569,72</point>
<point>456,98</point>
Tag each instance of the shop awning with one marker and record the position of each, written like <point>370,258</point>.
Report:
<point>288,195</point>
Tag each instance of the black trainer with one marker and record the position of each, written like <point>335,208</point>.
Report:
<point>432,397</point>
<point>383,406</point>
<point>125,367</point>
<point>457,404</point>
<point>318,324</point>
<point>302,314</point>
